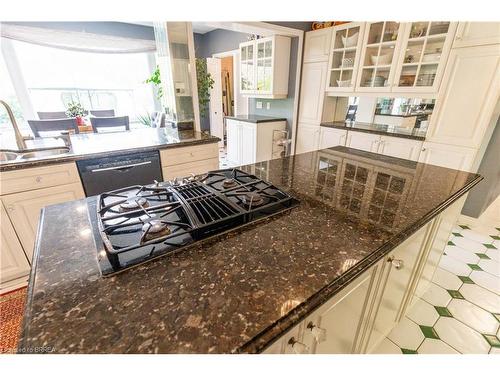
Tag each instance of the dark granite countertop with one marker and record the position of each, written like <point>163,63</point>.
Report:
<point>255,118</point>
<point>381,129</point>
<point>395,115</point>
<point>241,291</point>
<point>105,144</point>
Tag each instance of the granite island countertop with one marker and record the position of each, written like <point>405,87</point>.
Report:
<point>382,129</point>
<point>87,145</point>
<point>238,292</point>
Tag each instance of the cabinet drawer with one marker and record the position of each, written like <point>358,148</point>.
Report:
<point>38,178</point>
<point>185,169</point>
<point>180,155</point>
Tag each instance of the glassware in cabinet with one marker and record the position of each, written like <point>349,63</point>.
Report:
<point>344,56</point>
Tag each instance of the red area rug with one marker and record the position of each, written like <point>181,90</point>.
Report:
<point>11,317</point>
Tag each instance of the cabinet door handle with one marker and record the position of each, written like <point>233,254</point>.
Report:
<point>318,333</point>
<point>38,179</point>
<point>297,346</point>
<point>423,149</point>
<point>10,208</point>
<point>397,263</point>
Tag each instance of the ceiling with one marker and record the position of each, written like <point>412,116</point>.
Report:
<point>202,27</point>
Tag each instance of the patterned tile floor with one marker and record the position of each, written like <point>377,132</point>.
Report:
<point>460,312</point>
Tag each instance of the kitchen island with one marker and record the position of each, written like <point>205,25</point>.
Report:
<point>248,289</point>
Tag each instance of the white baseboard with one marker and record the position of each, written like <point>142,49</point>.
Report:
<point>14,284</point>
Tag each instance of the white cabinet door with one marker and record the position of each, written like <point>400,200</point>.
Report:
<point>342,319</point>
<point>307,138</point>
<point>448,156</point>
<point>345,55</point>
<point>469,93</point>
<point>317,45</point>
<point>13,262</point>
<point>363,141</point>
<point>477,33</point>
<point>24,209</point>
<point>396,277</point>
<point>233,133</point>
<point>312,92</point>
<point>247,67</point>
<point>424,52</point>
<point>248,143</point>
<point>400,147</point>
<point>331,137</point>
<point>379,56</point>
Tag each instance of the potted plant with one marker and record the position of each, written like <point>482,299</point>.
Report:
<point>76,110</point>
<point>205,83</point>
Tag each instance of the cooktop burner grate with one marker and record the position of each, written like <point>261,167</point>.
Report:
<point>139,223</point>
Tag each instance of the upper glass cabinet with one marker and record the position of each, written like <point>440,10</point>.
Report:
<point>264,66</point>
<point>344,56</point>
<point>379,55</point>
<point>247,72</point>
<point>424,49</point>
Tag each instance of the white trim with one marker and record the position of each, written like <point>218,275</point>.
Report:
<point>194,81</point>
<point>235,53</point>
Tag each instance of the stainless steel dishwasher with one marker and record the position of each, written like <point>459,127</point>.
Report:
<point>100,175</point>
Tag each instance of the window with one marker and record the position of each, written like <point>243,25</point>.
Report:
<point>55,77</point>
<point>8,95</point>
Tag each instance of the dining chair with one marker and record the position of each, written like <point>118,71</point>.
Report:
<point>67,124</point>
<point>51,115</point>
<point>102,112</point>
<point>109,123</point>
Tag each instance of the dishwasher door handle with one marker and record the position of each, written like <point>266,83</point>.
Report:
<point>119,167</point>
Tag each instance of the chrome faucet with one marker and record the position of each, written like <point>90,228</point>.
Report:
<point>21,144</point>
<point>66,137</point>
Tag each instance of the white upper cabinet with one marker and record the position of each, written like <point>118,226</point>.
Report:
<point>477,33</point>
<point>247,68</point>
<point>344,56</point>
<point>264,65</point>
<point>424,51</point>
<point>471,87</point>
<point>317,45</point>
<point>379,56</point>
<point>312,92</point>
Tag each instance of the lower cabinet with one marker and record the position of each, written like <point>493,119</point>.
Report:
<point>249,142</point>
<point>400,147</point>
<point>182,161</point>
<point>363,141</point>
<point>395,282</point>
<point>449,156</point>
<point>361,315</point>
<point>331,137</point>
<point>307,138</point>
<point>24,209</point>
<point>13,262</point>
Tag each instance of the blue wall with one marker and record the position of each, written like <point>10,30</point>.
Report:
<point>217,41</point>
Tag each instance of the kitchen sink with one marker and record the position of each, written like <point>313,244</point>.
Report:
<point>9,155</point>
<point>44,153</point>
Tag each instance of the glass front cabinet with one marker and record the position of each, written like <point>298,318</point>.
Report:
<point>379,56</point>
<point>404,57</point>
<point>260,76</point>
<point>345,54</point>
<point>425,49</point>
<point>247,71</point>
